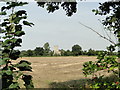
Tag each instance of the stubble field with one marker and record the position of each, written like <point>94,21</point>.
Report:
<point>56,69</point>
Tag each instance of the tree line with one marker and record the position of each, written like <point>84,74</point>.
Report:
<point>76,51</point>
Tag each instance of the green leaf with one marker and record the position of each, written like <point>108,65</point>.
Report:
<point>20,74</point>
<point>20,13</point>
<point>22,3</point>
<point>14,85</point>
<point>8,72</point>
<point>28,23</point>
<point>2,62</point>
<point>16,42</point>
<point>19,33</point>
<point>24,61</point>
<point>3,8</point>
<point>18,27</point>
<point>14,4</point>
<point>17,19</point>
<point>12,29</point>
<point>14,55</point>
<point>24,66</point>
<point>111,68</point>
<point>93,10</point>
<point>3,13</point>
<point>28,81</point>
<point>5,23</point>
<point>8,41</point>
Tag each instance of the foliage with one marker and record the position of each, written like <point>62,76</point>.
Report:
<point>39,51</point>
<point>82,84</point>
<point>46,48</point>
<point>69,7</point>
<point>13,31</point>
<point>67,53</point>
<point>29,53</point>
<point>76,50</point>
<point>112,21</point>
<point>91,52</point>
<point>105,61</point>
<point>11,25</point>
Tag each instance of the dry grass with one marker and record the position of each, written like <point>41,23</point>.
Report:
<point>56,69</point>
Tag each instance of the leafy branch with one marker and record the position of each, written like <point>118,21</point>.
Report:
<point>11,28</point>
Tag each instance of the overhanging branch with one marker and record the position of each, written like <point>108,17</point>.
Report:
<point>97,33</point>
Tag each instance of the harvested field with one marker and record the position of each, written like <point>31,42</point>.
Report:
<point>56,69</point>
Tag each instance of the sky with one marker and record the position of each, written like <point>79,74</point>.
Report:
<point>58,29</point>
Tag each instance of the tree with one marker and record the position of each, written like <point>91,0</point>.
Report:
<point>30,53</point>
<point>23,53</point>
<point>12,28</point>
<point>112,21</point>
<point>67,53</point>
<point>68,5</point>
<point>109,62</point>
<point>76,50</point>
<point>11,25</point>
<point>84,52</point>
<point>91,52</point>
<point>51,53</point>
<point>46,49</point>
<point>62,52</point>
<point>39,51</point>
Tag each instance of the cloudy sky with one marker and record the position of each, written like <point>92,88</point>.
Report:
<point>59,29</point>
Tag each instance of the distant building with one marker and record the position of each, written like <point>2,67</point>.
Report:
<point>56,50</point>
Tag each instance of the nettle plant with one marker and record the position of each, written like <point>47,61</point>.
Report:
<point>11,24</point>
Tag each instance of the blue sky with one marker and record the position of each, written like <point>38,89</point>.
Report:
<point>58,29</point>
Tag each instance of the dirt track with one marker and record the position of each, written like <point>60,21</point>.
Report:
<point>56,69</point>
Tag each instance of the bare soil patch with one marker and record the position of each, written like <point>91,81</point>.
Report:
<point>56,69</point>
